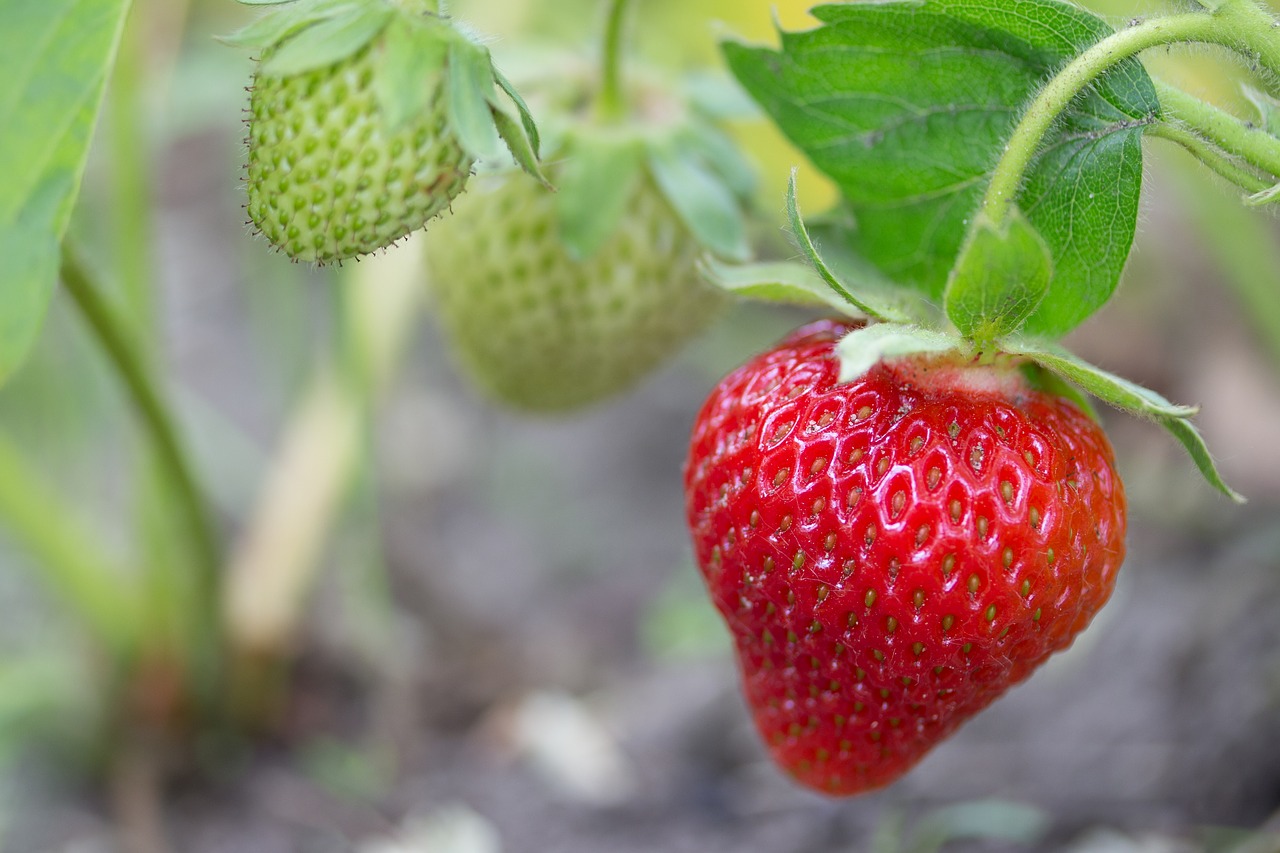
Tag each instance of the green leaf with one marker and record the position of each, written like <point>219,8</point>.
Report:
<point>862,348</point>
<point>701,199</point>
<point>328,41</point>
<point>411,64</point>
<point>594,184</point>
<point>776,281</point>
<point>1129,397</point>
<point>54,57</point>
<point>907,107</point>
<point>470,95</point>
<point>866,299</point>
<point>1002,274</point>
<point>979,820</point>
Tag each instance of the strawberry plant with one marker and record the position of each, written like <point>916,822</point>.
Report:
<point>900,512</point>
<point>875,508</point>
<point>555,302</point>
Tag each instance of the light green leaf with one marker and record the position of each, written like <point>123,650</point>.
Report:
<point>701,199</point>
<point>412,62</point>
<point>866,300</point>
<point>1000,277</point>
<point>1129,397</point>
<point>470,94</point>
<point>995,820</point>
<point>328,41</point>
<point>594,185</point>
<point>776,281</point>
<point>907,107</point>
<point>54,57</point>
<point>862,348</point>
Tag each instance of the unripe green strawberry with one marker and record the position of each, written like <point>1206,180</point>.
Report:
<point>365,121</point>
<point>543,330</point>
<point>328,180</point>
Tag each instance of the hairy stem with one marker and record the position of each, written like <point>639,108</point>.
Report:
<point>1221,128</point>
<point>117,343</point>
<point>612,99</point>
<point>1058,93</point>
<point>1209,156</point>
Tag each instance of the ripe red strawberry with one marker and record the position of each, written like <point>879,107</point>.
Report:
<point>894,553</point>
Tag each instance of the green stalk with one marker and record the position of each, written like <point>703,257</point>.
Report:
<point>1221,128</point>
<point>66,553</point>
<point>612,104</point>
<point>1058,93</point>
<point>117,341</point>
<point>1209,156</point>
<point>131,171</point>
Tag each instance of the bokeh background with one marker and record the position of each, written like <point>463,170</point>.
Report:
<point>506,647</point>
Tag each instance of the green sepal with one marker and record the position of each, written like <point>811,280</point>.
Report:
<point>1000,277</point>
<point>721,153</point>
<point>526,117</point>
<point>786,282</point>
<point>599,173</point>
<point>412,61</point>
<point>519,144</point>
<point>471,89</point>
<point>862,348</point>
<point>1129,397</point>
<point>280,23</point>
<point>700,197</point>
<point>329,41</point>
<point>874,305</point>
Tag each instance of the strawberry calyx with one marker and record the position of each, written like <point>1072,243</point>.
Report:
<point>665,136</point>
<point>1002,272</point>
<point>419,48</point>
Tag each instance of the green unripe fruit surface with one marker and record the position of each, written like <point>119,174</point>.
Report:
<point>327,178</point>
<point>541,330</point>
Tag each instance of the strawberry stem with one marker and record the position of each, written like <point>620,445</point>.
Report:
<point>612,104</point>
<point>1221,128</point>
<point>118,343</point>
<point>1058,93</point>
<point>1210,156</point>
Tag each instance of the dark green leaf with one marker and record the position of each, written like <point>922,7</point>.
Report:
<point>776,281</point>
<point>328,41</point>
<point>707,207</point>
<point>594,184</point>
<point>907,106</point>
<point>470,94</point>
<point>1002,274</point>
<point>54,57</point>
<point>862,348</point>
<point>1129,397</point>
<point>871,301</point>
<point>410,68</point>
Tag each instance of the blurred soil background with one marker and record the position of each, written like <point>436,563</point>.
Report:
<point>508,649</point>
